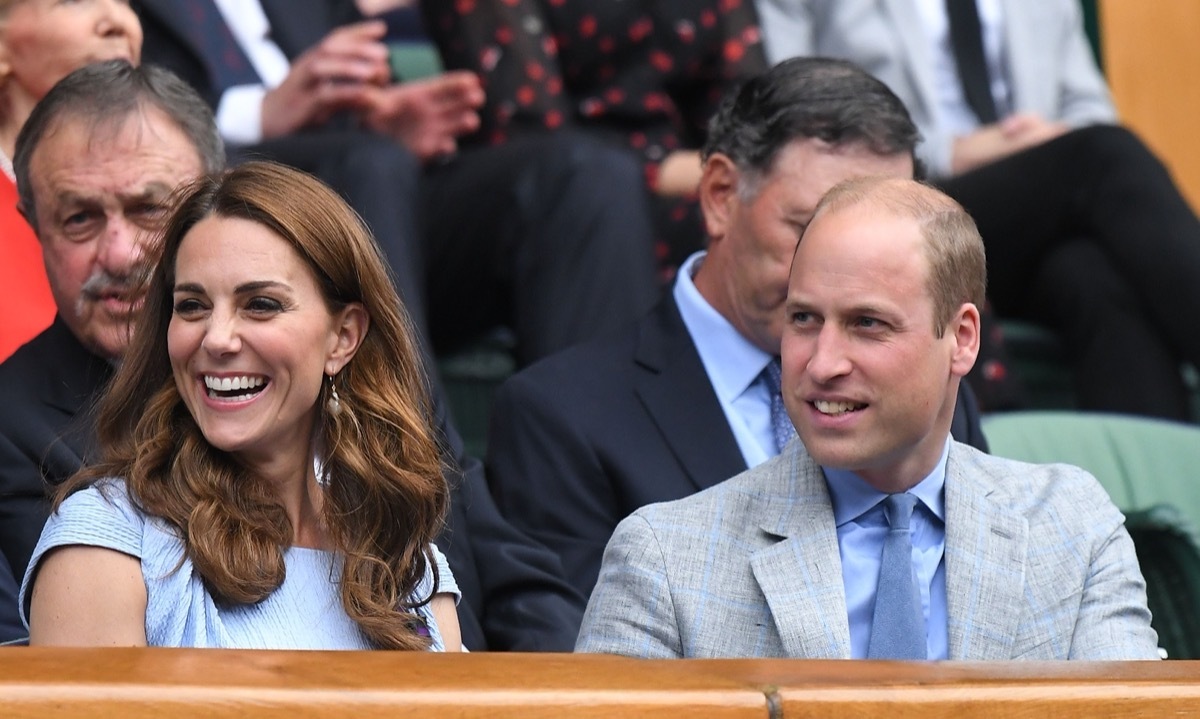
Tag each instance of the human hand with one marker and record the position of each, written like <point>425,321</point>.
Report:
<point>999,140</point>
<point>337,74</point>
<point>427,116</point>
<point>679,174</point>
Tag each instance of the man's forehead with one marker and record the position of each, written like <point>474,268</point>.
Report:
<point>82,160</point>
<point>861,239</point>
<point>144,135</point>
<point>144,188</point>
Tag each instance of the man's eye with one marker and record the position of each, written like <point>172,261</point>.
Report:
<point>77,219</point>
<point>150,208</point>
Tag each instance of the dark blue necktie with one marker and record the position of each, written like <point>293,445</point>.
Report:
<point>898,627</point>
<point>966,41</point>
<point>225,60</point>
<point>781,423</point>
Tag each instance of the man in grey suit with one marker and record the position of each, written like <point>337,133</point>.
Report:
<point>880,537</point>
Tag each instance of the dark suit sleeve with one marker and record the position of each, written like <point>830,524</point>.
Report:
<point>11,628</point>
<point>23,503</point>
<point>162,47</point>
<point>547,478</point>
<point>965,426</point>
<point>512,587</point>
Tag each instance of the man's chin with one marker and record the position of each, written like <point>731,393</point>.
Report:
<point>110,342</point>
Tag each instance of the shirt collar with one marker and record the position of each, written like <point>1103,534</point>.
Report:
<point>732,362</point>
<point>852,496</point>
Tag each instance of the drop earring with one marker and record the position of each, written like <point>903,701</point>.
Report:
<point>334,403</point>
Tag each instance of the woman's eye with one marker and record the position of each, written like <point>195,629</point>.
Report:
<point>264,305</point>
<point>188,306</point>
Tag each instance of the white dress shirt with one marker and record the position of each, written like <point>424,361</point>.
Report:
<point>239,111</point>
<point>952,109</point>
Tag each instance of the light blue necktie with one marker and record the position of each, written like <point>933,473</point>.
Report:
<point>898,627</point>
<point>781,423</point>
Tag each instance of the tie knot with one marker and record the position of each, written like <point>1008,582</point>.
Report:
<point>774,374</point>
<point>899,509</point>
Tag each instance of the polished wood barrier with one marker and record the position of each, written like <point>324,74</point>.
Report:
<point>1152,62</point>
<point>142,683</point>
<point>215,684</point>
<point>955,690</point>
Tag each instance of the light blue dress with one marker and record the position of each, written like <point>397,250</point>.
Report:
<point>305,612</point>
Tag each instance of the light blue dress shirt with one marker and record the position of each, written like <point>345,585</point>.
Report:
<point>861,530</point>
<point>734,367</point>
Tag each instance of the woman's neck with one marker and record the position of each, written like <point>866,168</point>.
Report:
<point>301,496</point>
<point>14,111</point>
<point>8,139</point>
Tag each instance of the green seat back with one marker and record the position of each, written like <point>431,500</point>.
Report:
<point>1169,556</point>
<point>1151,469</point>
<point>1141,462</point>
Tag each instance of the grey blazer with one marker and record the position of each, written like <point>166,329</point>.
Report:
<point>1038,566</point>
<point>1051,70</point>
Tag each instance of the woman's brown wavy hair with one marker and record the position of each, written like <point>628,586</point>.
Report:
<point>385,498</point>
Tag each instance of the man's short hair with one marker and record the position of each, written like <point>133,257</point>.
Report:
<point>108,93</point>
<point>808,97</point>
<point>953,247</point>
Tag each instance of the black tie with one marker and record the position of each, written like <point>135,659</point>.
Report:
<point>966,39</point>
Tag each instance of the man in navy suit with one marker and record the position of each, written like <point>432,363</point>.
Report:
<point>682,400</point>
<point>549,235</point>
<point>95,165</point>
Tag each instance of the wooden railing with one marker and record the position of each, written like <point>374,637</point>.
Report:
<point>141,683</point>
<point>1152,62</point>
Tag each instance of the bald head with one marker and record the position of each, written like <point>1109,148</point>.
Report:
<point>957,266</point>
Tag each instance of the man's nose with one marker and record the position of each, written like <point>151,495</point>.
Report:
<point>829,358</point>
<point>120,246</point>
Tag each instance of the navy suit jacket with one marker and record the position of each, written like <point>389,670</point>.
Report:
<point>46,385</point>
<point>580,440</point>
<point>514,594</point>
<point>296,25</point>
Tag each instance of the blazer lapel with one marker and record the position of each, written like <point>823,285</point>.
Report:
<point>986,545</point>
<point>918,57</point>
<point>71,387</point>
<point>678,396</point>
<point>801,575</point>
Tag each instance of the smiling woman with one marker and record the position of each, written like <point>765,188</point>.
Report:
<point>268,430</point>
<point>41,42</point>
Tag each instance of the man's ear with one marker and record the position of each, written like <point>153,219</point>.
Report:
<point>350,327</point>
<point>964,330</point>
<point>719,180</point>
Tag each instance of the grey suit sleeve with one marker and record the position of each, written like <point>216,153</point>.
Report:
<point>632,612</point>
<point>1083,94</point>
<point>1114,622</point>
